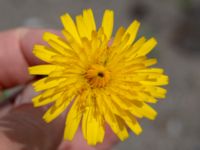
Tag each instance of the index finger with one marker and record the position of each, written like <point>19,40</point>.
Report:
<point>16,54</point>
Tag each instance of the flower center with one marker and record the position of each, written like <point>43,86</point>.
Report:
<point>101,74</point>
<point>97,76</point>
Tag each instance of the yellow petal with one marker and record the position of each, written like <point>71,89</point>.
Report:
<point>156,91</point>
<point>147,97</point>
<point>95,128</point>
<point>118,36</point>
<point>107,23</point>
<point>73,121</point>
<point>146,110</point>
<point>39,101</point>
<point>82,28</point>
<point>121,106</point>
<point>150,70</point>
<point>138,44</point>
<point>92,122</point>
<point>123,134</point>
<point>58,45</point>
<point>112,120</point>
<point>89,20</point>
<point>132,31</point>
<point>70,26</point>
<point>134,125</point>
<point>131,109</point>
<point>119,128</point>
<point>42,84</point>
<point>131,54</point>
<point>41,69</point>
<point>44,53</point>
<point>47,36</point>
<point>162,80</point>
<point>54,111</point>
<point>84,123</point>
<point>150,62</point>
<point>147,47</point>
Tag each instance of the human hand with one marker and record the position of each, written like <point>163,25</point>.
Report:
<point>21,125</point>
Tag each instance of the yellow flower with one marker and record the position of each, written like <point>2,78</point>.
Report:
<point>103,81</point>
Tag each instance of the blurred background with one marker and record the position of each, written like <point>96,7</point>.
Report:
<point>176,26</point>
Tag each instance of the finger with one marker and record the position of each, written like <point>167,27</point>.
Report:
<point>23,127</point>
<point>80,143</point>
<point>15,127</point>
<point>18,96</point>
<point>16,54</point>
<point>4,109</point>
<point>109,140</point>
<point>25,96</point>
<point>77,143</point>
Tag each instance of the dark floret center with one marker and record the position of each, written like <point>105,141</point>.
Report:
<point>101,74</point>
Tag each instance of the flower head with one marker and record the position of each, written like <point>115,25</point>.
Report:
<point>102,80</point>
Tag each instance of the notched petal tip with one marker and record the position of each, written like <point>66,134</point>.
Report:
<point>139,131</point>
<point>47,119</point>
<point>137,23</point>
<point>153,41</point>
<point>107,23</point>
<point>153,116</point>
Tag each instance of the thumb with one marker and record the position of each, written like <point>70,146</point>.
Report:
<point>23,128</point>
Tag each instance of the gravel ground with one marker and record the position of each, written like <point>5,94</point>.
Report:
<point>175,23</point>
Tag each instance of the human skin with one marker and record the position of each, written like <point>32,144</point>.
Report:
<point>21,125</point>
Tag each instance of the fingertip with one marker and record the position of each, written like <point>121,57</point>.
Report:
<point>28,38</point>
<point>23,125</point>
<point>16,54</point>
